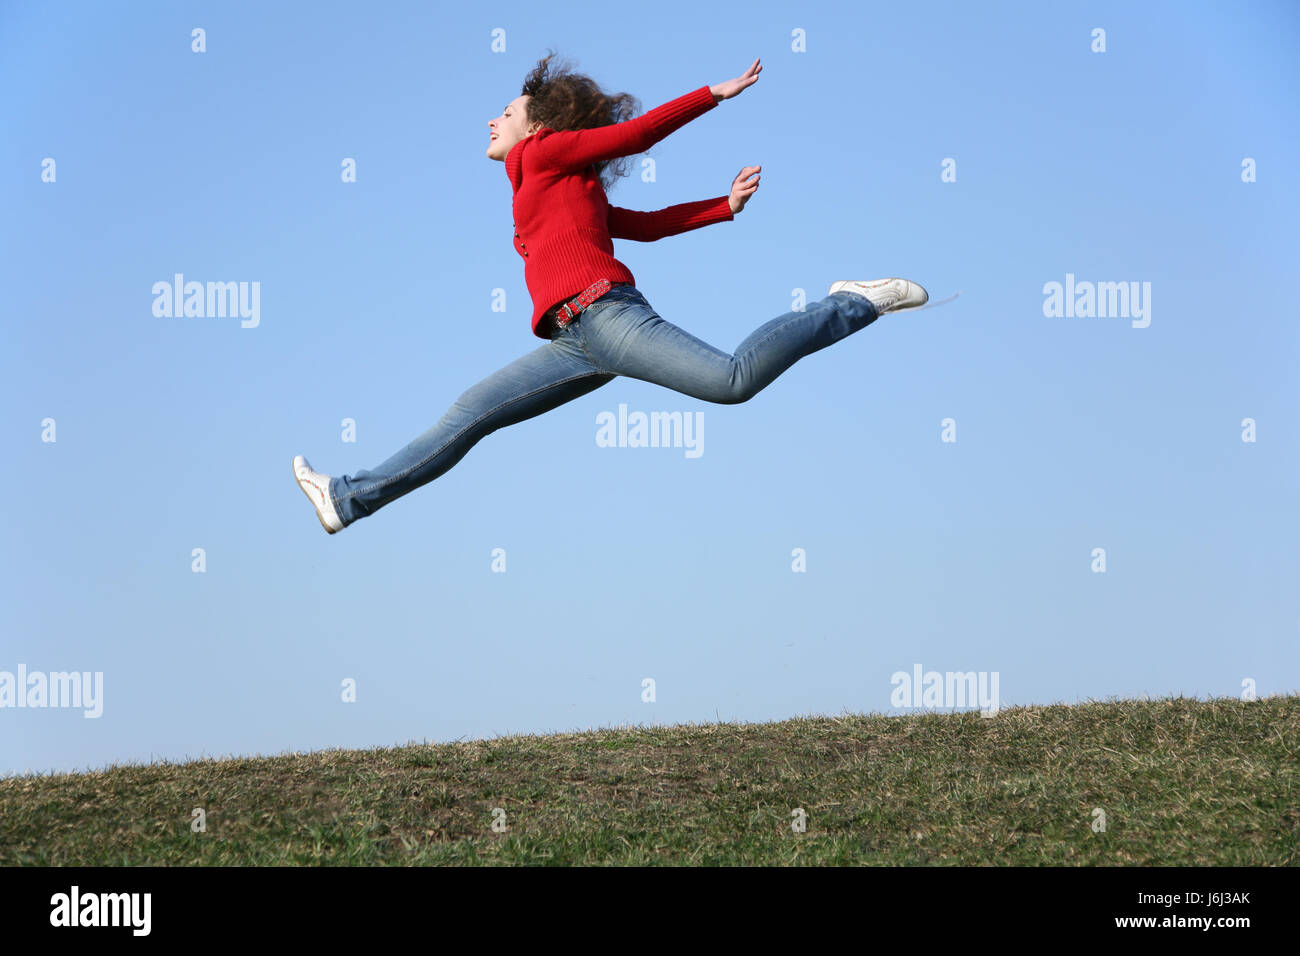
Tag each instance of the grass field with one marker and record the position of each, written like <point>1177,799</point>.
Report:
<point>1180,782</point>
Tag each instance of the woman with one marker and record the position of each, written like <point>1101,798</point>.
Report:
<point>561,141</point>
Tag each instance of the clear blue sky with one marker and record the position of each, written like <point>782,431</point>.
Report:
<point>628,563</point>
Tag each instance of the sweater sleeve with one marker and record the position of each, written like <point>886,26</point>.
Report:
<point>649,226</point>
<point>576,148</point>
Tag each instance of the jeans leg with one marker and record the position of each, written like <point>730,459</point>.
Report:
<point>625,335</point>
<point>543,379</point>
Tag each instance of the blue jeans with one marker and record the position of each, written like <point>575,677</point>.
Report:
<point>618,334</point>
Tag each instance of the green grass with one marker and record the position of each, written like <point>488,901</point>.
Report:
<point>1181,781</point>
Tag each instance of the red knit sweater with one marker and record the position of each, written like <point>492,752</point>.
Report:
<point>563,222</point>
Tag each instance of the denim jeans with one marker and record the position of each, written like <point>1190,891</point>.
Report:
<point>618,334</point>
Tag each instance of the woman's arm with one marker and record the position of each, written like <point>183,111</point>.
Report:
<point>649,226</point>
<point>569,150</point>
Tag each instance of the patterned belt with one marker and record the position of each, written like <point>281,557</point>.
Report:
<point>565,313</point>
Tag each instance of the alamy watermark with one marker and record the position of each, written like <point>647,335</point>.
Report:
<point>56,689</point>
<point>947,689</point>
<point>212,300</point>
<point>1087,300</point>
<point>655,430</point>
<point>76,908</point>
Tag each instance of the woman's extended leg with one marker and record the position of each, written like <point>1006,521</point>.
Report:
<point>622,334</point>
<point>545,378</point>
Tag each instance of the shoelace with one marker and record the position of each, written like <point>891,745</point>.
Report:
<point>887,297</point>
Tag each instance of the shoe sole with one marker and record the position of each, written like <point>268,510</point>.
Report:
<point>327,528</point>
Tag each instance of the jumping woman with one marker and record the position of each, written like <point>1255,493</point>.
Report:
<point>562,141</point>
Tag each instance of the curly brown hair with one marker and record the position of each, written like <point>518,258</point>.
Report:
<point>562,100</point>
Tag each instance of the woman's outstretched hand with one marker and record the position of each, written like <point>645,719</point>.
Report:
<point>725,91</point>
<point>742,187</point>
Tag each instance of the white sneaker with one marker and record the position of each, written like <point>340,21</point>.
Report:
<point>317,487</point>
<point>887,295</point>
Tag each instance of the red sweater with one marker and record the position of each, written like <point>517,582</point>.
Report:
<point>563,222</point>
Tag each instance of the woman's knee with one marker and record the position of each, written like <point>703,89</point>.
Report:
<point>733,392</point>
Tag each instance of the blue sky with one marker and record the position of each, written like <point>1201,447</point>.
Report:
<point>632,563</point>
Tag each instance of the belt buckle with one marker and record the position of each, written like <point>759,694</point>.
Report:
<point>599,287</point>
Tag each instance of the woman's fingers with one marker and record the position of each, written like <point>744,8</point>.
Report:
<point>749,77</point>
<point>744,185</point>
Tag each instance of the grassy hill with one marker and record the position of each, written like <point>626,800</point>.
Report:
<point>1181,781</point>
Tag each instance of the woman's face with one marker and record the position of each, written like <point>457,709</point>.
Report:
<point>509,128</point>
